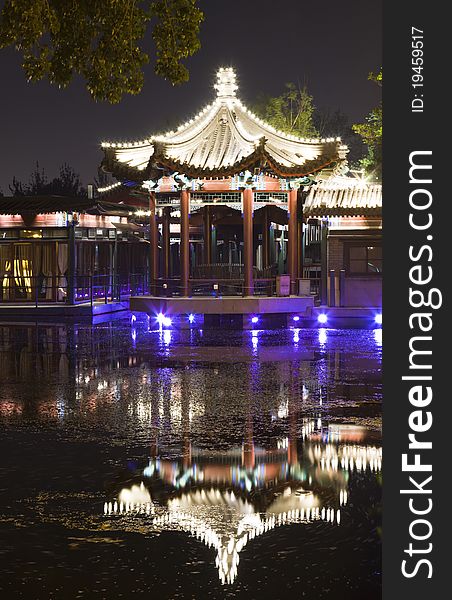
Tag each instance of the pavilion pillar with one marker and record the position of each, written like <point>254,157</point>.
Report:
<point>248,241</point>
<point>293,241</point>
<point>184,241</point>
<point>153,246</point>
<point>207,236</point>
<point>266,238</point>
<point>166,242</point>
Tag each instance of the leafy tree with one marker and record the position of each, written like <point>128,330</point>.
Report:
<point>294,112</point>
<point>371,132</point>
<point>291,112</point>
<point>101,40</point>
<point>67,184</point>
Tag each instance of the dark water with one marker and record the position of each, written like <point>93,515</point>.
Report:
<point>189,464</point>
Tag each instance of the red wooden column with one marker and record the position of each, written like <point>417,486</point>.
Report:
<point>153,246</point>
<point>293,241</point>
<point>166,242</point>
<point>248,241</point>
<point>184,241</point>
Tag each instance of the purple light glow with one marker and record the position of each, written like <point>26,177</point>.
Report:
<point>191,318</point>
<point>379,319</point>
<point>163,321</point>
<point>255,320</point>
<point>254,339</point>
<point>322,318</point>
<point>296,318</point>
<point>378,336</point>
<point>323,338</point>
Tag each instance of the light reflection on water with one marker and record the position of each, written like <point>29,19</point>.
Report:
<point>230,438</point>
<point>227,499</point>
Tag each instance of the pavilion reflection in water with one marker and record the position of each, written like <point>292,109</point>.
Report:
<point>226,499</point>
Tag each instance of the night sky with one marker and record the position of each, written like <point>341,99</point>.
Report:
<point>330,46</point>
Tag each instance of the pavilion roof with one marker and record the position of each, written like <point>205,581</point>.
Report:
<point>225,138</point>
<point>14,205</point>
<point>344,197</point>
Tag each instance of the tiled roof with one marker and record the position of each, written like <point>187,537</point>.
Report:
<point>222,140</point>
<point>343,197</point>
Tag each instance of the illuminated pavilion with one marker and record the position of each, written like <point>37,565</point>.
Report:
<point>223,163</point>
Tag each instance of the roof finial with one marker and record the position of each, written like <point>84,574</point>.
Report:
<point>226,83</point>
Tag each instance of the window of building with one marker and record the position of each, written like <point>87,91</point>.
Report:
<point>30,233</point>
<point>364,258</point>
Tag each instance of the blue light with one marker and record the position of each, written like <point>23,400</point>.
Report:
<point>379,319</point>
<point>378,337</point>
<point>322,318</point>
<point>296,318</point>
<point>133,318</point>
<point>149,470</point>
<point>162,320</point>
<point>191,318</point>
<point>255,320</point>
<point>254,339</point>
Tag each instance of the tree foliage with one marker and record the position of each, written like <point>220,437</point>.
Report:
<point>291,112</point>
<point>66,184</point>
<point>371,132</point>
<point>335,123</point>
<point>294,112</point>
<point>101,40</point>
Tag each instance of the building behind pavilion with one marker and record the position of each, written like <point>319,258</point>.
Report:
<point>343,240</point>
<point>69,250</point>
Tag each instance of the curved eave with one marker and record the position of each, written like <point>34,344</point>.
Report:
<point>160,164</point>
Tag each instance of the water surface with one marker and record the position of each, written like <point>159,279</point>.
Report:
<point>189,464</point>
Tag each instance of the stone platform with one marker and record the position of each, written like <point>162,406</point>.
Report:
<point>254,312</point>
<point>224,305</point>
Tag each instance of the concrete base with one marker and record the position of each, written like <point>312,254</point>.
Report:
<point>227,312</point>
<point>225,305</point>
<point>362,317</point>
